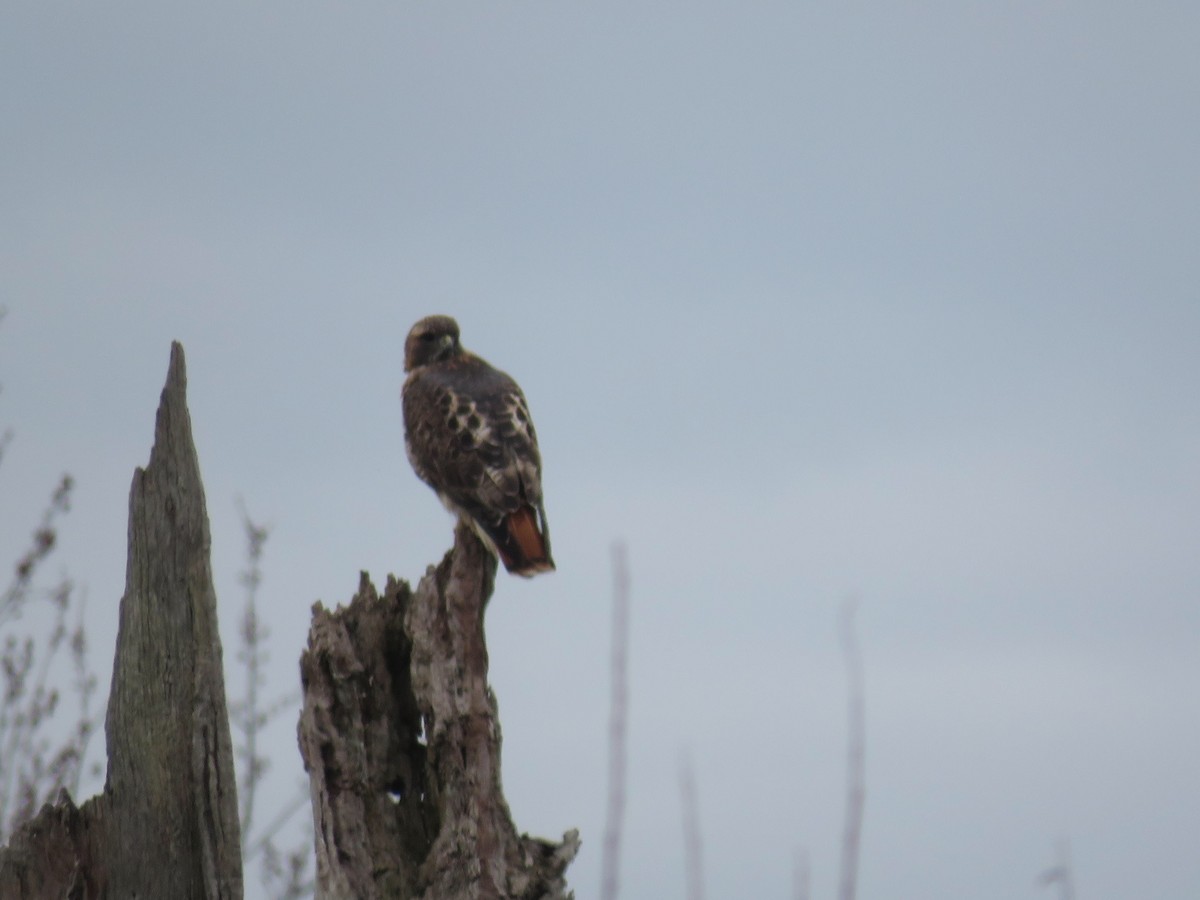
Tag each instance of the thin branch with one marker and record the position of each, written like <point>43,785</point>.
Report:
<point>45,536</point>
<point>247,716</point>
<point>85,688</point>
<point>273,827</point>
<point>618,716</point>
<point>283,874</point>
<point>6,435</point>
<point>692,850</point>
<point>855,756</point>
<point>1060,873</point>
<point>15,665</point>
<point>32,768</point>
<point>287,876</point>
<point>801,876</point>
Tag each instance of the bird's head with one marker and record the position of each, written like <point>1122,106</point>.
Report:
<point>433,339</point>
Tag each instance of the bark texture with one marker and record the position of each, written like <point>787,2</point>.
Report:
<point>166,824</point>
<point>50,856</point>
<point>401,741</point>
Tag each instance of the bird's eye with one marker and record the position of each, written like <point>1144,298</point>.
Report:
<point>427,336</point>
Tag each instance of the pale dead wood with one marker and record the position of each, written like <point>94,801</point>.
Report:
<point>401,740</point>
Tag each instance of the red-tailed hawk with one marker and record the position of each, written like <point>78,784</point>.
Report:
<point>469,436</point>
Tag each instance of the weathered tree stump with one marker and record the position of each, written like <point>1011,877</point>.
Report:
<point>166,824</point>
<point>401,741</point>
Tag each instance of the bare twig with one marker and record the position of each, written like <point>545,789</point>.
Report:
<point>855,756</point>
<point>45,536</point>
<point>1060,873</point>
<point>286,875</point>
<point>692,850</point>
<point>247,716</point>
<point>5,435</point>
<point>298,802</point>
<point>618,715</point>
<point>801,876</point>
<point>84,687</point>
<point>33,769</point>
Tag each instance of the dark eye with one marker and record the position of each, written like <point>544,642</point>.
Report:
<point>427,336</point>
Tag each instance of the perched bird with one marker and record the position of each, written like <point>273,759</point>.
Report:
<point>469,436</point>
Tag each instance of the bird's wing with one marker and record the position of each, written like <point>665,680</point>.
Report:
<point>470,437</point>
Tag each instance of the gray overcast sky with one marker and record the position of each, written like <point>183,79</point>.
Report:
<point>898,301</point>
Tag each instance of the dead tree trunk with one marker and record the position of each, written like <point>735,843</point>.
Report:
<point>166,824</point>
<point>401,741</point>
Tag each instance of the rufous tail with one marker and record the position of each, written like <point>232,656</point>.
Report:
<point>523,543</point>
